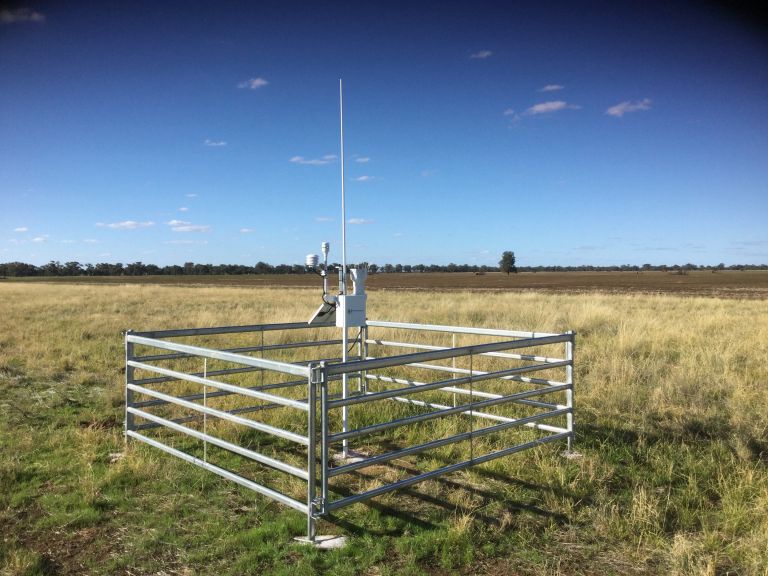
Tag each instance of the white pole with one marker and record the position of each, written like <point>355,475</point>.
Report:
<point>343,279</point>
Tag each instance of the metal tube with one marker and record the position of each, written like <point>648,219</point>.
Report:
<point>443,354</point>
<point>266,428</point>
<point>440,471</point>
<point>487,416</point>
<point>525,379</point>
<point>324,438</point>
<point>222,386</point>
<point>461,437</point>
<point>311,457</point>
<point>493,354</point>
<point>380,427</point>
<point>441,384</point>
<point>458,329</point>
<point>263,490</point>
<point>226,356</point>
<point>288,346</point>
<point>129,377</point>
<point>255,456</point>
<point>569,392</point>
<point>230,329</point>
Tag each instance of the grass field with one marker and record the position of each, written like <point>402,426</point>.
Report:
<point>672,425</point>
<point>721,283</point>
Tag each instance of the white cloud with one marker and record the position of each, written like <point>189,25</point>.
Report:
<point>359,221</point>
<point>327,159</point>
<point>398,234</point>
<point>191,228</point>
<point>511,115</point>
<point>20,15</point>
<point>364,178</point>
<point>362,159</point>
<point>323,219</point>
<point>125,225</point>
<point>38,239</point>
<point>481,54</point>
<point>183,209</point>
<point>253,83</point>
<point>184,226</point>
<point>191,195</point>
<point>551,88</point>
<point>622,108</point>
<point>91,241</point>
<point>550,107</point>
<point>21,229</point>
<point>214,143</point>
<point>186,242</point>
<point>247,230</point>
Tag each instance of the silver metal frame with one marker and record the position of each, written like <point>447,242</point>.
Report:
<point>325,410</point>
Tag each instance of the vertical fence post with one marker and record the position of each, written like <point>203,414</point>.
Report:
<point>323,438</point>
<point>128,380</point>
<point>363,353</point>
<point>569,345</point>
<point>311,449</point>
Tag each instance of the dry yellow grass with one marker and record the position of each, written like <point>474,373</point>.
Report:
<point>672,422</point>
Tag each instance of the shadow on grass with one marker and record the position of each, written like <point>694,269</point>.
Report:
<point>432,512</point>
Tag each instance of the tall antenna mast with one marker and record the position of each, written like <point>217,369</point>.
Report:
<point>343,279</point>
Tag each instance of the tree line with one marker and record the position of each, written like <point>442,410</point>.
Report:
<point>55,268</point>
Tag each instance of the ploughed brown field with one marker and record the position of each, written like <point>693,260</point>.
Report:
<point>722,284</point>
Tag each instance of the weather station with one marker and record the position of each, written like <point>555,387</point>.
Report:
<point>277,408</point>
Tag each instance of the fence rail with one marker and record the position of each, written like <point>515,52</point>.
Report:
<point>280,390</point>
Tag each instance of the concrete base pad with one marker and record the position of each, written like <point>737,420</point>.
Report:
<point>571,455</point>
<point>351,457</point>
<point>328,542</point>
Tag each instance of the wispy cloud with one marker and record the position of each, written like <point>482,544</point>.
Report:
<point>192,195</point>
<point>183,209</point>
<point>90,241</point>
<point>359,221</point>
<point>214,143</point>
<point>550,107</point>
<point>551,88</point>
<point>126,225</point>
<point>20,15</point>
<point>247,230</point>
<point>21,229</point>
<point>253,83</point>
<point>323,219</point>
<point>628,106</point>
<point>364,178</point>
<point>327,159</point>
<point>186,242</point>
<point>39,239</point>
<point>481,54</point>
<point>184,226</point>
<point>511,115</point>
<point>362,159</point>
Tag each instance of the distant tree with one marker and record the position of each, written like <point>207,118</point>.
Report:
<point>507,262</point>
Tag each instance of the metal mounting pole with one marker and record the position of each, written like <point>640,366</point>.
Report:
<point>343,277</point>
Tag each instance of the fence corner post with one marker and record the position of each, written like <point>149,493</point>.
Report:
<point>129,370</point>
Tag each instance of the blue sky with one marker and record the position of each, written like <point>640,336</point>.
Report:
<point>572,133</point>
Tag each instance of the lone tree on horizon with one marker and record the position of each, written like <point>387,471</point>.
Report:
<point>507,262</point>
